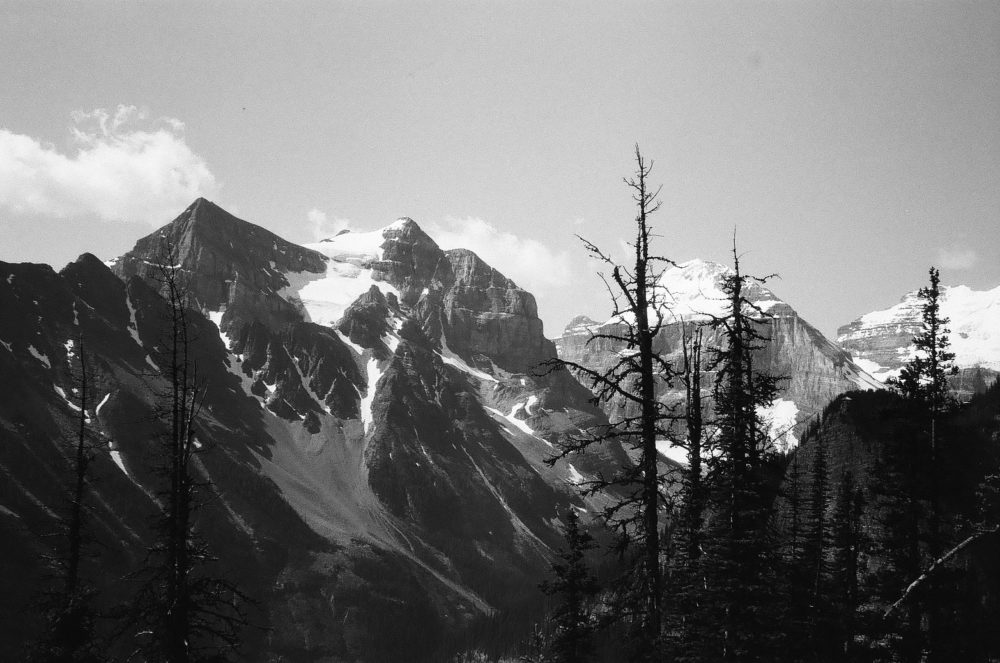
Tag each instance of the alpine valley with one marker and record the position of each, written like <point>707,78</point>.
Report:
<point>377,415</point>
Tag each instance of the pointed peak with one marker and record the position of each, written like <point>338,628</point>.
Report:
<point>402,223</point>
<point>581,323</point>
<point>203,210</point>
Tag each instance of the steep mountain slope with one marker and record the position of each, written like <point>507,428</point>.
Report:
<point>815,370</point>
<point>882,341</point>
<point>377,419</point>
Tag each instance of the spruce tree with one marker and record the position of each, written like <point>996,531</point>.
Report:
<point>847,544</point>
<point>816,546</point>
<point>575,586</point>
<point>923,381</point>
<point>741,547</point>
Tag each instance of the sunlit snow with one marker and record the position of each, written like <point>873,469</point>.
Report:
<point>374,375</point>
<point>575,477</point>
<point>876,370</point>
<point>216,317</point>
<point>39,356</point>
<point>668,449</point>
<point>781,418</point>
<point>452,359</point>
<point>325,296</point>
<point>520,424</point>
<point>349,343</point>
<point>119,461</point>
<point>133,328</point>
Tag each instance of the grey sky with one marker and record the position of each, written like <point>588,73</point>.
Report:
<point>850,144</point>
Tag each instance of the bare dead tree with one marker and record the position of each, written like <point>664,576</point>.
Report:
<point>69,613</point>
<point>638,308</point>
<point>186,614</point>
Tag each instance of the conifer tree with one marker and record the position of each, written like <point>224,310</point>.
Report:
<point>795,585</point>
<point>924,382</point>
<point>847,544</point>
<point>817,536</point>
<point>741,547</point>
<point>575,586</point>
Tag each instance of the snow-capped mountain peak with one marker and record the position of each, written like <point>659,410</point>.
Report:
<point>692,290</point>
<point>881,341</point>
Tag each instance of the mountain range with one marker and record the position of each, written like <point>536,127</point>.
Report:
<point>377,416</point>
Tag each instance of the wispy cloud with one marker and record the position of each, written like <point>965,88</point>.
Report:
<point>323,227</point>
<point>124,167</point>
<point>956,257</point>
<point>530,263</point>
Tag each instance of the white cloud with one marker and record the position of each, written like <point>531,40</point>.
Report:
<point>956,257</point>
<point>531,264</point>
<point>120,171</point>
<point>323,227</point>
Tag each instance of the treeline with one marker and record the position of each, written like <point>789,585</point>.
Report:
<point>748,554</point>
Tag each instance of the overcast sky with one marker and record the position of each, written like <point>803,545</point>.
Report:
<point>850,144</point>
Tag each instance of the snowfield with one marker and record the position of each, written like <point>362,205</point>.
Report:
<point>324,297</point>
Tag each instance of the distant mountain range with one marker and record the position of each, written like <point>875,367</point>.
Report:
<point>379,419</point>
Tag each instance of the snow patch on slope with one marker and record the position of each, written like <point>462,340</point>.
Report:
<point>133,327</point>
<point>575,477</point>
<point>781,417</point>
<point>349,274</point>
<point>452,359</point>
<point>668,449</point>
<point>216,317</point>
<point>41,357</point>
<point>116,456</point>
<point>519,424</point>
<point>374,375</point>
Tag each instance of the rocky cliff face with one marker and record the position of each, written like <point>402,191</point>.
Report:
<point>378,422</point>
<point>882,341</point>
<point>814,369</point>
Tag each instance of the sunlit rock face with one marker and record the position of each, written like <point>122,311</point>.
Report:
<point>813,370</point>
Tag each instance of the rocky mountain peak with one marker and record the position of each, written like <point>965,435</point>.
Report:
<point>580,324</point>
<point>227,261</point>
